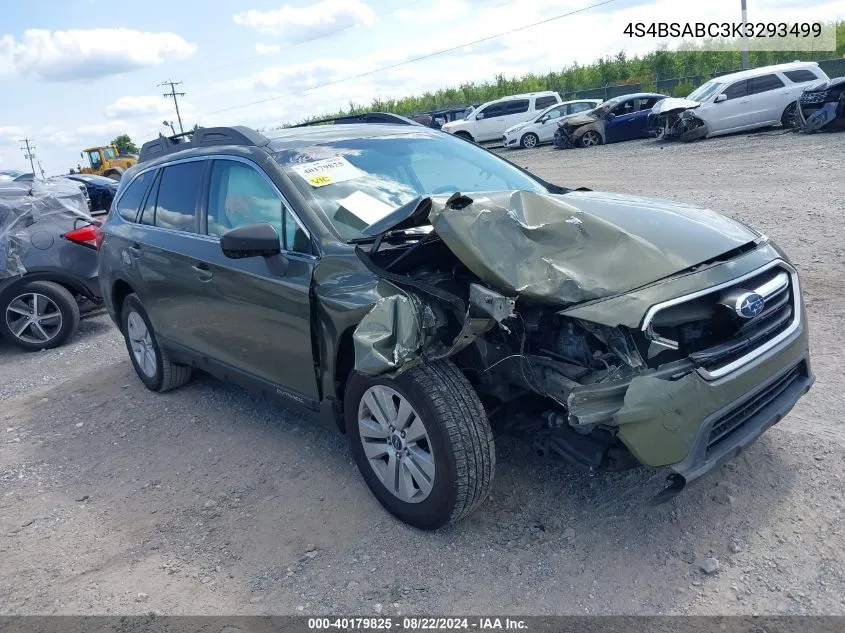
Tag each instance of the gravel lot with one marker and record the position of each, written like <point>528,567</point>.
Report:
<point>208,500</point>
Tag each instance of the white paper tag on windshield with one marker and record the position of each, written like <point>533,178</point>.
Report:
<point>320,173</point>
<point>364,206</point>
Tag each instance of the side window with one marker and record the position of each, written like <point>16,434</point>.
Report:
<point>517,106</point>
<point>239,195</point>
<point>800,76</point>
<point>736,90</point>
<point>580,107</point>
<point>555,113</point>
<point>648,103</point>
<point>544,102</point>
<point>494,110</point>
<point>764,83</point>
<point>132,197</point>
<point>626,107</point>
<point>178,192</point>
<point>148,212</point>
<point>94,157</point>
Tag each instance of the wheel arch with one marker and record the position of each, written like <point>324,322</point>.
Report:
<point>119,291</point>
<point>68,282</point>
<point>344,365</point>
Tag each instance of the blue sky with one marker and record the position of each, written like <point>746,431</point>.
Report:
<point>75,74</point>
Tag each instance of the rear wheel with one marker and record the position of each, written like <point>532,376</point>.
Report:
<point>151,362</point>
<point>591,138</point>
<point>530,140</point>
<point>39,315</point>
<point>422,442</point>
<point>789,118</point>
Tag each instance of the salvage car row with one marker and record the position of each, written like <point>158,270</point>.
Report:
<point>795,95</point>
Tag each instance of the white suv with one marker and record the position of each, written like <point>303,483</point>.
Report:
<point>754,98</point>
<point>489,121</point>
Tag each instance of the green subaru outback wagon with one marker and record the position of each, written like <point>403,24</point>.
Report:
<point>423,295</point>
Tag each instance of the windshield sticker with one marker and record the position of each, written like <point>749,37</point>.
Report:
<point>365,207</point>
<point>320,173</point>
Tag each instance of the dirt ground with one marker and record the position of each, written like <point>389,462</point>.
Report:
<point>115,500</point>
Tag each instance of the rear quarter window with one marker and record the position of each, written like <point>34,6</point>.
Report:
<point>800,76</point>
<point>544,102</point>
<point>131,199</point>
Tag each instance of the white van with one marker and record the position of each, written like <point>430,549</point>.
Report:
<point>489,121</point>
<point>754,98</point>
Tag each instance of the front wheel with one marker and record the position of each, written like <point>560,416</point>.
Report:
<point>422,442</point>
<point>530,140</point>
<point>591,138</point>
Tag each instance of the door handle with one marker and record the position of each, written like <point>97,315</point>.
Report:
<point>135,251</point>
<point>202,272</point>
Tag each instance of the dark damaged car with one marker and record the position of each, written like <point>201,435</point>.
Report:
<point>423,295</point>
<point>822,106</point>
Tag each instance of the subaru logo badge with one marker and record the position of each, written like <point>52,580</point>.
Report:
<point>749,305</point>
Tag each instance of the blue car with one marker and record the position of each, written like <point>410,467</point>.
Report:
<point>100,189</point>
<point>619,119</point>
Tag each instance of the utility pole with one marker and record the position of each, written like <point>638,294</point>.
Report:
<point>41,169</point>
<point>29,153</point>
<point>744,37</point>
<point>175,94</point>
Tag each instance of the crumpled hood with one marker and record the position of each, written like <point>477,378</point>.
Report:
<point>674,104</point>
<point>569,248</point>
<point>577,120</point>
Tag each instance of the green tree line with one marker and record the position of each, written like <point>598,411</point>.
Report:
<point>691,62</point>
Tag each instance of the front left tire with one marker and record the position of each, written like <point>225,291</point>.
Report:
<point>422,442</point>
<point>530,140</point>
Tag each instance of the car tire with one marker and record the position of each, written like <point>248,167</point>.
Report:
<point>529,141</point>
<point>151,362</point>
<point>591,138</point>
<point>789,118</point>
<point>448,452</point>
<point>465,136</point>
<point>54,308</point>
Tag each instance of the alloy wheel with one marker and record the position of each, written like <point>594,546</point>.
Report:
<point>529,141</point>
<point>396,444</point>
<point>141,343</point>
<point>590,139</point>
<point>34,318</point>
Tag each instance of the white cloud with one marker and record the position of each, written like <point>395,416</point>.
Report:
<point>302,24</point>
<point>86,54</point>
<point>128,106</point>
<point>267,49</point>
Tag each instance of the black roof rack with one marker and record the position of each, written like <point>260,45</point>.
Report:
<point>367,117</point>
<point>202,137</point>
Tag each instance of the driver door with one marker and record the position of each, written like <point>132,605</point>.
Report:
<point>257,315</point>
<point>491,124</point>
<point>622,126</point>
<point>546,130</point>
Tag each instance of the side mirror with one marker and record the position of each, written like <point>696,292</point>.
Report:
<point>610,115</point>
<point>720,98</point>
<point>479,116</point>
<point>253,240</point>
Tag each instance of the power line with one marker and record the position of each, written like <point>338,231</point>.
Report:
<point>415,59</point>
<point>29,147</point>
<point>174,94</point>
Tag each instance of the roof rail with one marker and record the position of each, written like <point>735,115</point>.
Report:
<point>366,117</point>
<point>201,137</point>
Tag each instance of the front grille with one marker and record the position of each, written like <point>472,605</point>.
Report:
<point>813,97</point>
<point>708,329</point>
<point>725,426</point>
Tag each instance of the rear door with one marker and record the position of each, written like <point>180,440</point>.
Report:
<point>516,111</point>
<point>769,98</point>
<point>257,314</point>
<point>733,113</point>
<point>172,287</point>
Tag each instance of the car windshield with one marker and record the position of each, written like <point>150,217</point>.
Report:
<point>703,92</point>
<point>358,181</point>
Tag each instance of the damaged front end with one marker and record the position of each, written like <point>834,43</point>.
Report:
<point>822,107</point>
<point>676,119</point>
<point>607,331</point>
